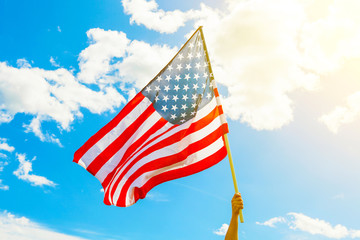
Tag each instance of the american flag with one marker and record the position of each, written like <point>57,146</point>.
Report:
<point>171,129</point>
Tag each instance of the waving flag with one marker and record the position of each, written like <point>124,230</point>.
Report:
<point>171,129</point>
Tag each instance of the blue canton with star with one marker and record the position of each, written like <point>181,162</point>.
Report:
<point>184,86</point>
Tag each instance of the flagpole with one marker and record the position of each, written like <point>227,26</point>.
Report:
<point>225,135</point>
<point>232,172</point>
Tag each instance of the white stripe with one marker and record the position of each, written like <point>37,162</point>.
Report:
<point>115,159</point>
<point>164,152</point>
<point>191,159</point>
<point>97,148</point>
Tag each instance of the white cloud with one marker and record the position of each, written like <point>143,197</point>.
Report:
<point>147,13</point>
<point>35,127</point>
<point>339,196</point>
<point>271,222</point>
<point>314,226</point>
<point>222,230</point>
<point>157,197</point>
<point>22,228</point>
<point>149,58</point>
<point>343,114</point>
<point>264,51</point>
<point>50,96</point>
<point>23,173</point>
<point>3,186</point>
<point>4,146</point>
<point>53,62</point>
<point>2,165</point>
<point>95,59</point>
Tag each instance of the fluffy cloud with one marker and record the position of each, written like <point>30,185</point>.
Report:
<point>50,95</point>
<point>343,114</point>
<point>314,226</point>
<point>3,186</point>
<point>22,228</point>
<point>147,13</point>
<point>94,61</point>
<point>222,230</point>
<point>264,51</point>
<point>271,222</point>
<point>4,146</point>
<point>23,173</point>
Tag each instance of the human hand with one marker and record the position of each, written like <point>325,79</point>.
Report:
<point>236,204</point>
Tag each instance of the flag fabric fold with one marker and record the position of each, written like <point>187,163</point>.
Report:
<point>173,128</point>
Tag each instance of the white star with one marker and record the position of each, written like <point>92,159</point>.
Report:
<point>188,66</point>
<point>166,98</point>
<point>203,85</point>
<point>174,107</point>
<point>168,78</point>
<point>205,75</point>
<point>156,98</point>
<point>148,89</point>
<point>195,86</point>
<point>199,44</point>
<point>181,56</point>
<point>164,108</point>
<point>167,88</point>
<point>159,78</point>
<point>205,64</point>
<point>193,105</point>
<point>198,55</point>
<point>177,77</point>
<point>182,120</point>
<point>187,76</point>
<point>175,98</point>
<point>185,97</point>
<point>179,67</point>
<point>208,96</point>
<point>183,115</point>
<point>193,113</point>
<point>191,45</point>
<point>197,65</point>
<point>196,76</point>
<point>157,88</point>
<point>173,116</point>
<point>183,106</point>
<point>194,96</point>
<point>170,67</point>
<point>186,87</point>
<point>190,56</point>
<point>176,87</point>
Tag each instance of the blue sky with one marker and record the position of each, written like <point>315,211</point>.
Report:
<point>288,73</point>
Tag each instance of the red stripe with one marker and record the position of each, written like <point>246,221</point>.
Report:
<point>179,173</point>
<point>170,140</point>
<point>216,92</point>
<point>108,127</point>
<point>168,161</point>
<point>119,142</point>
<point>220,109</point>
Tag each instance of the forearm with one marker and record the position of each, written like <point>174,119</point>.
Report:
<point>232,232</point>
